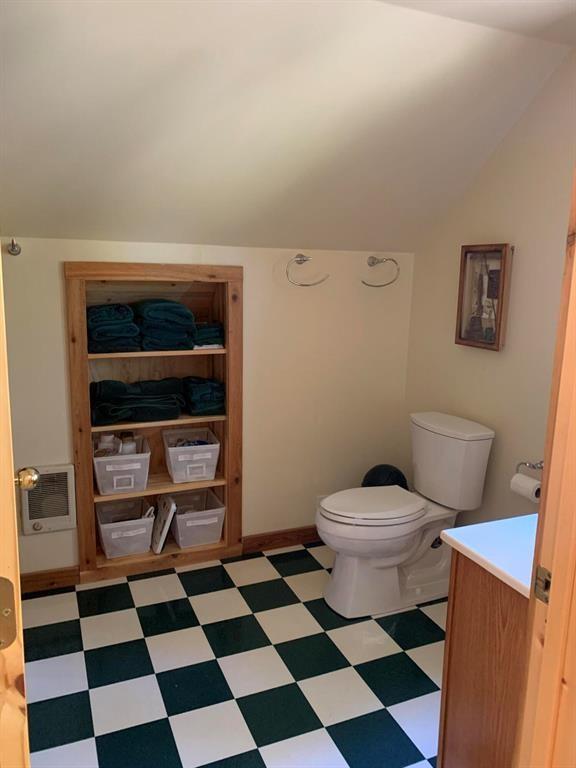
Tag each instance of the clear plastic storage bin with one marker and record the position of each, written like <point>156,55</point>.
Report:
<point>123,530</point>
<point>118,474</point>
<point>189,463</point>
<point>199,518</point>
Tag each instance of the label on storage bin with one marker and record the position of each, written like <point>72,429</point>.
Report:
<point>117,467</point>
<point>196,470</point>
<point>209,521</point>
<point>123,534</point>
<point>194,456</point>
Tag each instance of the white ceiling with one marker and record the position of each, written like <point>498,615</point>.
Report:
<point>553,20</point>
<point>299,124</point>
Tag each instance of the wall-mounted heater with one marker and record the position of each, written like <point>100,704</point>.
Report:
<point>51,506</point>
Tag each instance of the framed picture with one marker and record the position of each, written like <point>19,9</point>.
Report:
<point>483,295</point>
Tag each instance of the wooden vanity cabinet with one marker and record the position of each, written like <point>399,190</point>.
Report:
<point>484,666</point>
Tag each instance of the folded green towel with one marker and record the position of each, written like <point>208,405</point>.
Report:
<point>163,331</point>
<point>209,333</point>
<point>150,344</point>
<point>216,409</point>
<point>109,413</point>
<point>161,409</point>
<point>110,389</point>
<point>119,330</point>
<point>204,397</point>
<point>122,344</point>
<point>164,310</point>
<point>108,313</point>
<point>154,400</point>
<point>168,386</point>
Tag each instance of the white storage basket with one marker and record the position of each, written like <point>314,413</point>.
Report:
<point>123,530</point>
<point>199,518</point>
<point>118,474</point>
<point>188,463</point>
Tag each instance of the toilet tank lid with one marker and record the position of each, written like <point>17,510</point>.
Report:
<point>452,426</point>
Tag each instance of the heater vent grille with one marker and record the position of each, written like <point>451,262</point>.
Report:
<point>51,505</point>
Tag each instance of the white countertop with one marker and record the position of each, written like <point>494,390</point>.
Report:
<point>505,548</point>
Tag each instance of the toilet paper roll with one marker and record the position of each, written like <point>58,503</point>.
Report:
<point>526,486</point>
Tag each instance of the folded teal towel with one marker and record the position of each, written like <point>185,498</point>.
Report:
<point>160,330</point>
<point>164,310</point>
<point>209,333</point>
<point>108,313</point>
<point>120,330</point>
<point>110,389</point>
<point>115,401</point>
<point>204,397</point>
<point>163,409</point>
<point>122,344</point>
<point>151,344</point>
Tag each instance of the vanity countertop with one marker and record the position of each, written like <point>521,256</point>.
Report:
<point>505,548</point>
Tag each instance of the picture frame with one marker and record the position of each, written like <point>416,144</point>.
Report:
<point>483,295</point>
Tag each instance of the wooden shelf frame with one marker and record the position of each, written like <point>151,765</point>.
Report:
<point>182,421</point>
<point>158,353</point>
<point>158,484</point>
<point>223,285</point>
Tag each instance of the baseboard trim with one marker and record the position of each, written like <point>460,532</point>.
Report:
<point>39,581</point>
<point>276,539</point>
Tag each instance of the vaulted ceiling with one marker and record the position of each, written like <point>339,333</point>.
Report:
<point>301,124</point>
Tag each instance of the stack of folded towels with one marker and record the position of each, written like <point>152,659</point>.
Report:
<point>113,402</point>
<point>210,335</point>
<point>164,324</point>
<point>204,397</point>
<point>111,328</point>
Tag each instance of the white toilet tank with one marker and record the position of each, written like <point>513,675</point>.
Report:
<point>449,457</point>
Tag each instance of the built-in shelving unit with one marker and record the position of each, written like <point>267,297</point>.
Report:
<point>213,294</point>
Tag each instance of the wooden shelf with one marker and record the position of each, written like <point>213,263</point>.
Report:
<point>170,557</point>
<point>179,422</point>
<point>161,484</point>
<point>159,353</point>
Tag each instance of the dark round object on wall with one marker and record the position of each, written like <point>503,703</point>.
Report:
<point>384,474</point>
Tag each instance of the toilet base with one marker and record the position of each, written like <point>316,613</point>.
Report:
<point>358,587</point>
<point>361,586</point>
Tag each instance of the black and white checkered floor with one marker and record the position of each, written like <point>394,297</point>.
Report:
<point>239,664</point>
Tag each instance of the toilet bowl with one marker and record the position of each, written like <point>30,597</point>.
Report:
<point>386,539</point>
<point>389,528</point>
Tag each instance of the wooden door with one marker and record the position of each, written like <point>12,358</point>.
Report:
<point>547,737</point>
<point>14,751</point>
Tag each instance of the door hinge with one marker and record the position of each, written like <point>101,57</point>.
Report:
<point>7,614</point>
<point>542,584</point>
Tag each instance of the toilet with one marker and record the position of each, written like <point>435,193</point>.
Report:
<point>388,552</point>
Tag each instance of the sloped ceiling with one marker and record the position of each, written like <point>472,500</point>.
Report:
<point>299,124</point>
<point>553,20</point>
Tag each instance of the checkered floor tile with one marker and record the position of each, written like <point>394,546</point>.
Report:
<point>233,664</point>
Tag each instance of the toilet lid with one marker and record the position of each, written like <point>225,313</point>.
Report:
<point>386,504</point>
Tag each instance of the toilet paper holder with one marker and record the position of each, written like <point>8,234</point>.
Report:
<point>539,465</point>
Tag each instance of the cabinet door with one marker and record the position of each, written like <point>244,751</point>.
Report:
<point>484,667</point>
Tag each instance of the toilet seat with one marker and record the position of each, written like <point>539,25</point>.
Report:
<point>386,505</point>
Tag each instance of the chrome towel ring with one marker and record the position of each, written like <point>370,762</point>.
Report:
<point>300,259</point>
<point>374,261</point>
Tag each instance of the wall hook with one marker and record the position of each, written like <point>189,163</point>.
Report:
<point>13,248</point>
<point>300,259</point>
<point>374,261</point>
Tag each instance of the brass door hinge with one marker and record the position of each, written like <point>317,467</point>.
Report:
<point>542,584</point>
<point>7,614</point>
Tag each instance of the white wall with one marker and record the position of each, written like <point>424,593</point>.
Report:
<point>324,380</point>
<point>522,197</point>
